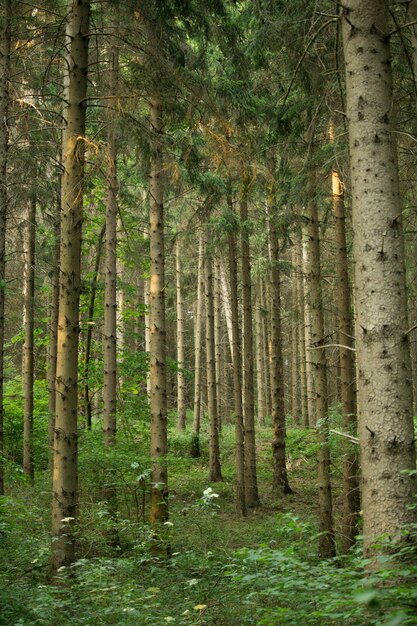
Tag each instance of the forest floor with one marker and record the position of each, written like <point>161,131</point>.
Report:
<point>223,570</point>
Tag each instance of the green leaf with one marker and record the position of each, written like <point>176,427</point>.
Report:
<point>369,597</point>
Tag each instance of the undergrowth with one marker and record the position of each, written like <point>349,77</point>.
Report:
<point>224,570</point>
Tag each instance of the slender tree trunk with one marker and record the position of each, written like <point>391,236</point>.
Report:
<point>181,407</point>
<point>260,371</point>
<point>226,306</point>
<point>309,369</point>
<point>217,338</point>
<point>251,482</point>
<point>215,474</point>
<point>385,419</point>
<point>237,378</point>
<point>5,17</point>
<point>158,381</point>
<point>198,352</point>
<point>120,309</point>
<point>28,346</point>
<point>317,357</point>
<point>265,346</point>
<point>89,334</point>
<point>351,496</point>
<point>110,293</point>
<point>295,341</point>
<point>146,302</point>
<point>65,484</point>
<point>53,334</point>
<point>280,478</point>
<point>301,333</point>
<point>110,268</point>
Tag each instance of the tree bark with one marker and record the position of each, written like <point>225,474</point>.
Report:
<point>327,547</point>
<point>89,334</point>
<point>301,333</point>
<point>251,482</point>
<point>265,345</point>
<point>309,371</point>
<point>198,352</point>
<point>237,376</point>
<point>226,306</point>
<point>260,370</point>
<point>146,302</point>
<point>181,406</point>
<point>217,338</point>
<point>158,382</point>
<point>110,344</point>
<point>28,346</point>
<point>5,17</point>
<point>386,434</point>
<point>280,478</point>
<point>295,341</point>
<point>215,474</point>
<point>53,334</point>
<point>65,483</point>
<point>351,495</point>
<point>110,268</point>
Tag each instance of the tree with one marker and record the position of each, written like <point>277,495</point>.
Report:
<point>215,474</point>
<point>158,384</point>
<point>65,482</point>
<point>29,325</point>
<point>199,305</point>
<point>5,18</point>
<point>237,366</point>
<point>351,495</point>
<point>251,483</point>
<point>280,477</point>
<point>386,434</point>
<point>317,351</point>
<point>181,405</point>
<point>110,273</point>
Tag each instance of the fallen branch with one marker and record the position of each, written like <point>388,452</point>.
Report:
<point>332,345</point>
<point>350,437</point>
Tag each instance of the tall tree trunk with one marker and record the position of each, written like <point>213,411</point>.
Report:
<point>28,346</point>
<point>217,338</point>
<point>65,483</point>
<point>260,370</point>
<point>198,352</point>
<point>317,357</point>
<point>301,333</point>
<point>181,407</point>
<point>215,474</point>
<point>265,346</point>
<point>146,302</point>
<point>295,341</point>
<point>120,309</point>
<point>89,334</point>
<point>251,482</point>
<point>237,376</point>
<point>225,289</point>
<point>385,418</point>
<point>110,269</point>
<point>110,292</point>
<point>351,495</point>
<point>280,478</point>
<point>5,17</point>
<point>53,334</point>
<point>309,369</point>
<point>158,381</point>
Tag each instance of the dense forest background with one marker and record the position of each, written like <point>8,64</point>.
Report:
<point>208,312</point>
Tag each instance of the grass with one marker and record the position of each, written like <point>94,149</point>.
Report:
<point>224,570</point>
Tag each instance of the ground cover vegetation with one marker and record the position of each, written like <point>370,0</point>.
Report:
<point>263,569</point>
<point>208,355</point>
